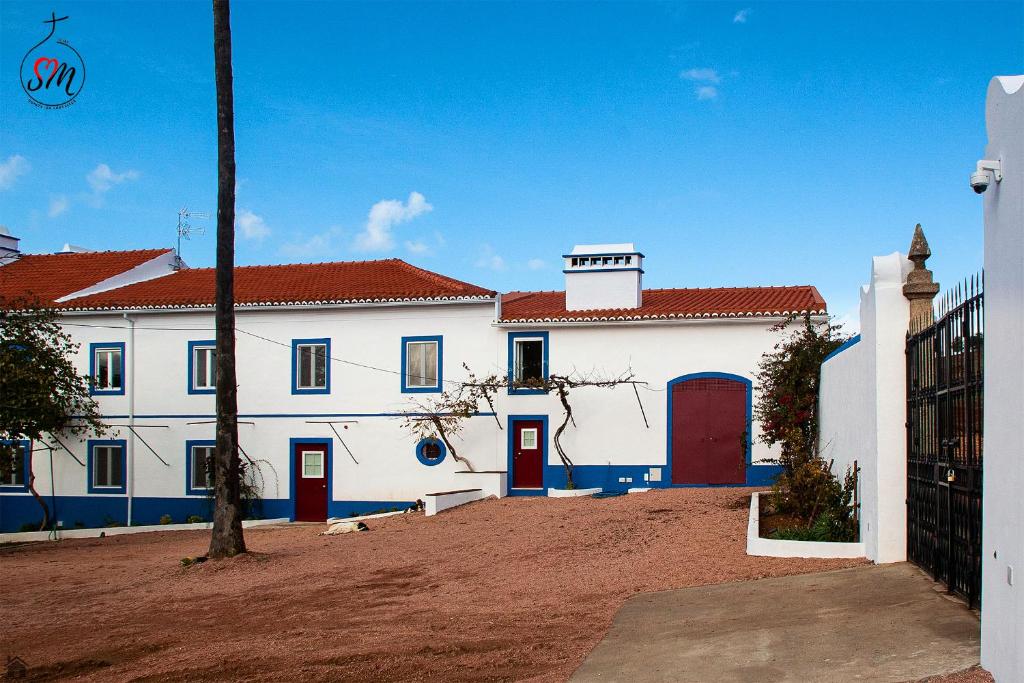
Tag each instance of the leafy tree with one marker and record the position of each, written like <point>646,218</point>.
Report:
<point>226,539</point>
<point>41,392</point>
<point>787,409</point>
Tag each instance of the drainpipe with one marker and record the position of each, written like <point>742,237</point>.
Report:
<point>130,487</point>
<point>497,307</point>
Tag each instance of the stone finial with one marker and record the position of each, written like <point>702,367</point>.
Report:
<point>919,288</point>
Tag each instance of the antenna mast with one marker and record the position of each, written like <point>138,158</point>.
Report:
<point>186,230</point>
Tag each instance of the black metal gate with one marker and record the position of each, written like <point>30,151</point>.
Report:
<point>945,398</point>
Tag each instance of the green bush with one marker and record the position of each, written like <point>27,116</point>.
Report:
<point>194,519</point>
<point>31,526</point>
<point>166,519</point>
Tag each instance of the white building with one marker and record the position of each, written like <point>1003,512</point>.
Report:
<point>330,358</point>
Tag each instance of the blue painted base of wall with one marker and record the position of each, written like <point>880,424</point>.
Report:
<point>607,477</point>
<point>100,511</point>
<point>354,508</point>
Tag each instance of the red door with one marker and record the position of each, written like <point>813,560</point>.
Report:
<point>528,454</point>
<point>311,482</point>
<point>709,431</point>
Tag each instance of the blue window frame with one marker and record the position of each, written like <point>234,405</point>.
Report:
<point>15,480</point>
<point>107,465</point>
<point>202,367</point>
<point>527,361</point>
<point>311,366</point>
<point>198,478</point>
<point>422,364</point>
<point>431,451</point>
<point>106,369</point>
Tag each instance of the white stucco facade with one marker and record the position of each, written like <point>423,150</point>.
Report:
<point>1002,591</point>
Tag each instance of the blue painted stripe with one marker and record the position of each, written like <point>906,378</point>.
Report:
<point>211,416</point>
<point>852,341</point>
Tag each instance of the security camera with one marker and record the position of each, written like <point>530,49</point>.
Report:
<point>979,181</point>
<point>981,178</point>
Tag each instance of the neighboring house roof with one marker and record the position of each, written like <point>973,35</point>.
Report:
<point>49,277</point>
<point>391,280</point>
<point>668,304</point>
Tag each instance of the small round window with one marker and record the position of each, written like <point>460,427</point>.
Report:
<point>430,451</point>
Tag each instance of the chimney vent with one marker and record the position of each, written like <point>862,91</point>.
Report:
<point>602,276</point>
<point>8,246</point>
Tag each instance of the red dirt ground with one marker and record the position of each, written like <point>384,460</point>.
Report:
<point>973,675</point>
<point>511,589</point>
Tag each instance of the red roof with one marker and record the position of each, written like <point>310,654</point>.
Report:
<point>305,283</point>
<point>49,277</point>
<point>666,304</point>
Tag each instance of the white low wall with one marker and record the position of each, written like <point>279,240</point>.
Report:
<point>492,483</point>
<point>1002,566</point>
<point>27,536</point>
<point>862,409</point>
<point>771,547</point>
<point>571,493</point>
<point>437,502</point>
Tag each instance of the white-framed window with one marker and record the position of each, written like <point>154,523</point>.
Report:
<point>311,365</point>
<point>108,368</point>
<point>201,467</point>
<point>108,467</point>
<point>204,367</point>
<point>421,364</point>
<point>528,439</point>
<point>312,464</point>
<point>529,361</point>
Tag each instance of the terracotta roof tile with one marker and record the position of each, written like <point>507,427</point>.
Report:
<point>665,304</point>
<point>304,283</point>
<point>51,276</point>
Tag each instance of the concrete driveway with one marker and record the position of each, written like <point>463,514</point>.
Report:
<point>874,623</point>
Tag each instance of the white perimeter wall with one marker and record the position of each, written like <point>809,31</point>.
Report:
<point>1002,614</point>
<point>863,409</point>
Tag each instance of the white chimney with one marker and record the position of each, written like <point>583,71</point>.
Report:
<point>8,245</point>
<point>601,276</point>
<point>74,249</point>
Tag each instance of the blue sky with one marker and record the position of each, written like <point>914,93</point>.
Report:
<point>734,143</point>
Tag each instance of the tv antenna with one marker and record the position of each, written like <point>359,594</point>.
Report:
<point>186,230</point>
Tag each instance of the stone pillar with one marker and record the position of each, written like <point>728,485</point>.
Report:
<point>919,287</point>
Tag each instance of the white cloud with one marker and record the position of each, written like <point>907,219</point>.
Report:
<point>489,260</point>
<point>701,74</point>
<point>102,178</point>
<point>536,264</point>
<point>417,247</point>
<point>10,170</point>
<point>58,205</point>
<point>706,81</point>
<point>741,16</point>
<point>251,225</point>
<point>707,92</point>
<point>384,216</point>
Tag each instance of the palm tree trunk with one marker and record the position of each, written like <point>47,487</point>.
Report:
<point>227,539</point>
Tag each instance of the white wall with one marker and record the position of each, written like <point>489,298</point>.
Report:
<point>863,409</point>
<point>1002,614</point>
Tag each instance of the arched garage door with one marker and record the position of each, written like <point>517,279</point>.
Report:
<point>708,429</point>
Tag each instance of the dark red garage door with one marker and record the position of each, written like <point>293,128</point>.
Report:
<point>709,431</point>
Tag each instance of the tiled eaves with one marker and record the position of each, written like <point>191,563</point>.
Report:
<point>661,316</point>
<point>278,304</point>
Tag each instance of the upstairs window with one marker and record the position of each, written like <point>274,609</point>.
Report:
<point>14,465</point>
<point>311,370</point>
<point>106,368</point>
<point>528,362</point>
<point>107,466</point>
<point>421,364</point>
<point>202,363</point>
<point>200,467</point>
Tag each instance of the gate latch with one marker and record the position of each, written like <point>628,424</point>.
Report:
<point>950,475</point>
